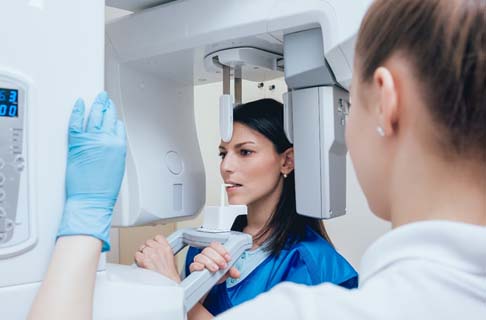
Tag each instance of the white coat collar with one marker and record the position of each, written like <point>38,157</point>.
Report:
<point>458,245</point>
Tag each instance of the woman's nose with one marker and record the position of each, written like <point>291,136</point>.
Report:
<point>228,163</point>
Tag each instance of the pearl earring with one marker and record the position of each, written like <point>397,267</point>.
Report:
<point>380,131</point>
<point>285,175</point>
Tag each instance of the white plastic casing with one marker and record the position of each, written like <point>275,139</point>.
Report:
<point>220,219</point>
<point>226,117</point>
<point>164,176</point>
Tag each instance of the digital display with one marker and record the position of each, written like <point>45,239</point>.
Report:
<point>9,102</point>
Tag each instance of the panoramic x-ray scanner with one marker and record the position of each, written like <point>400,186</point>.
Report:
<point>149,62</point>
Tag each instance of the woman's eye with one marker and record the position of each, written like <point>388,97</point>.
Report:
<point>222,155</point>
<point>244,152</point>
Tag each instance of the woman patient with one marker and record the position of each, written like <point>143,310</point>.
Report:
<point>258,165</point>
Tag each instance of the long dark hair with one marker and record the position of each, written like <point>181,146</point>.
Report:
<point>285,226</point>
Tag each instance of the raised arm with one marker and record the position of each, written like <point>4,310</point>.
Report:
<point>95,168</point>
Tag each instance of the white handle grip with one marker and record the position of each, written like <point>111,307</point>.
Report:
<point>198,283</point>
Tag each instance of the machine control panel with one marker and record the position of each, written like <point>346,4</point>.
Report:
<point>15,220</point>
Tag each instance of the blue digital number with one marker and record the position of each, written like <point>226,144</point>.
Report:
<point>2,95</point>
<point>3,109</point>
<point>12,111</point>
<point>13,96</point>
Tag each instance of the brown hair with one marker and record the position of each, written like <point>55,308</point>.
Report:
<point>445,41</point>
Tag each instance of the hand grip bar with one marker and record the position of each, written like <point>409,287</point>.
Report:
<point>198,283</point>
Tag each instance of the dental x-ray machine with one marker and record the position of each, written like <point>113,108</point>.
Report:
<point>53,51</point>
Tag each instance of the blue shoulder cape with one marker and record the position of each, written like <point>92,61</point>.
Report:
<point>311,261</point>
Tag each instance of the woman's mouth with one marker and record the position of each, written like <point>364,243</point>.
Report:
<point>232,186</point>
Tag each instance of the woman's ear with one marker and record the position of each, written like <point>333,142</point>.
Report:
<point>387,103</point>
<point>287,161</point>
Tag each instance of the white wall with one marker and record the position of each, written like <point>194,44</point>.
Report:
<point>351,234</point>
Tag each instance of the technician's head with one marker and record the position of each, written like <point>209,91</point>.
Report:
<point>418,93</point>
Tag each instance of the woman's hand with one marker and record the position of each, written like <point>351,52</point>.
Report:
<point>214,258</point>
<point>156,255</point>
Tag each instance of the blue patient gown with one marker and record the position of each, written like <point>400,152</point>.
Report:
<point>311,261</point>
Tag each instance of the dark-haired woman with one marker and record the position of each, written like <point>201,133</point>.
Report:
<point>258,164</point>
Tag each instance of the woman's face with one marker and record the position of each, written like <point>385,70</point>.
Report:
<point>250,163</point>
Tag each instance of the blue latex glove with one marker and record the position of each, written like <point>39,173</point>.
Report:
<point>95,169</point>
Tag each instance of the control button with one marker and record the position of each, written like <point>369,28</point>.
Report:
<point>2,179</point>
<point>6,225</point>
<point>19,160</point>
<point>174,162</point>
<point>3,213</point>
<point>2,163</point>
<point>9,225</point>
<point>2,194</point>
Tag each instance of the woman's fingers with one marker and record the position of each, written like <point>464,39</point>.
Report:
<point>196,266</point>
<point>161,257</point>
<point>221,250</point>
<point>138,258</point>
<point>155,252</point>
<point>161,244</point>
<point>151,243</point>
<point>207,262</point>
<point>157,257</point>
<point>234,273</point>
<point>144,261</point>
<point>215,256</point>
<point>161,239</point>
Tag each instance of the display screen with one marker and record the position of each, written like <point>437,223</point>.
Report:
<point>9,102</point>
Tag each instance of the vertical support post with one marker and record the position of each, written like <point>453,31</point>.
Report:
<point>226,107</point>
<point>226,79</point>
<point>238,85</point>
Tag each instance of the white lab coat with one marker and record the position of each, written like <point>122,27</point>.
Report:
<point>424,270</point>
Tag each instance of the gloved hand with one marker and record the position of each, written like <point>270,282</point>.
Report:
<point>95,169</point>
